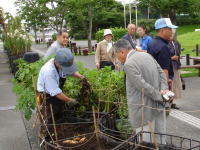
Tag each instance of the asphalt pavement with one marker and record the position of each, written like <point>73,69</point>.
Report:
<point>12,130</point>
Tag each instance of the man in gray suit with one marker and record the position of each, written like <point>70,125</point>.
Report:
<point>143,72</point>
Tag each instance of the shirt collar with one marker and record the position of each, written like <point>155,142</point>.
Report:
<point>158,37</point>
<point>144,37</point>
<point>131,36</point>
<point>131,51</point>
<point>59,44</point>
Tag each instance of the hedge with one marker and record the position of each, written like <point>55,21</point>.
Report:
<point>188,21</point>
<point>120,32</point>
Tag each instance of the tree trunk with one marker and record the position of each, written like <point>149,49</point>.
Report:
<point>172,16</point>
<point>90,28</point>
<point>35,36</point>
<point>43,34</point>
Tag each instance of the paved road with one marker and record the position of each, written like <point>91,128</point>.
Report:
<point>12,130</point>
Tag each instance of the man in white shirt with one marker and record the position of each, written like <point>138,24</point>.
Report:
<point>50,83</point>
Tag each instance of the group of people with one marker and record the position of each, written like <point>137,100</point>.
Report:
<point>164,48</point>
<point>151,64</point>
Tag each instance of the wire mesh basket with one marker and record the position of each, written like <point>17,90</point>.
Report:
<point>173,143</point>
<point>108,125</point>
<point>77,136</point>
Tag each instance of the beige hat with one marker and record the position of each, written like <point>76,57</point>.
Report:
<point>107,31</point>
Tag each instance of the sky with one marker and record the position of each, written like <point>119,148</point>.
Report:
<point>8,5</point>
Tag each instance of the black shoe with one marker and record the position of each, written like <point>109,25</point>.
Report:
<point>174,106</point>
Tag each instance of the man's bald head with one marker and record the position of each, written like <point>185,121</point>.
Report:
<point>131,29</point>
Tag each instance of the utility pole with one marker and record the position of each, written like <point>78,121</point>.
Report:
<point>124,14</point>
<point>136,17</point>
<point>148,12</point>
<point>130,11</point>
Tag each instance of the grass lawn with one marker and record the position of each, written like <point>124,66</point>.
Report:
<point>188,41</point>
<point>191,73</point>
<point>186,29</point>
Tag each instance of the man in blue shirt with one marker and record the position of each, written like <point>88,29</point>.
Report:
<point>159,47</point>
<point>51,80</point>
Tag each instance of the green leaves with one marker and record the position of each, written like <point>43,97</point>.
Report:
<point>106,86</point>
<point>16,40</point>
<point>118,33</point>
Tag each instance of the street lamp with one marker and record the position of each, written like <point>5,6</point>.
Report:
<point>124,14</point>
<point>130,10</point>
<point>135,2</point>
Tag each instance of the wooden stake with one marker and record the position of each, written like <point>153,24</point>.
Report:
<point>142,111</point>
<point>38,101</point>
<point>54,126</point>
<point>38,104</point>
<point>153,135</point>
<point>96,128</point>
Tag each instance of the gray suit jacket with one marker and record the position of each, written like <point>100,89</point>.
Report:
<point>142,71</point>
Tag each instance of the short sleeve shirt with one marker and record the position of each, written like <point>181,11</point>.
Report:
<point>48,79</point>
<point>160,51</point>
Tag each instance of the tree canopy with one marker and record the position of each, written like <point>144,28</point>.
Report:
<point>169,8</point>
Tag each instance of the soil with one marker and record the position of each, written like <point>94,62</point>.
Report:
<point>69,131</point>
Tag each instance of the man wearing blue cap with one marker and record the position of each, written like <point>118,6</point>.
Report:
<point>51,80</point>
<point>159,47</point>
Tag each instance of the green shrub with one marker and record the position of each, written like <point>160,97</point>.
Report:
<point>106,85</point>
<point>16,40</point>
<point>188,21</point>
<point>149,23</point>
<point>118,33</point>
<point>54,36</point>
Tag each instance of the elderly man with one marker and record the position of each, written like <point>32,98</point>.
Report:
<point>61,42</point>
<point>143,72</point>
<point>159,48</point>
<point>50,81</point>
<point>130,36</point>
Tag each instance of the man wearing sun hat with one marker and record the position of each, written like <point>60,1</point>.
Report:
<point>103,55</point>
<point>159,47</point>
<point>49,80</point>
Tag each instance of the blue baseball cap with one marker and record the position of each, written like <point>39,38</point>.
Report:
<point>66,59</point>
<point>164,23</point>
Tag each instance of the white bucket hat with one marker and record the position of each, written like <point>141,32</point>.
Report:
<point>107,31</point>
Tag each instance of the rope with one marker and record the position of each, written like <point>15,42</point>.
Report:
<point>198,110</point>
<point>124,141</point>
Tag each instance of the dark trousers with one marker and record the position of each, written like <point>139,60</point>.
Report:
<point>58,107</point>
<point>107,63</point>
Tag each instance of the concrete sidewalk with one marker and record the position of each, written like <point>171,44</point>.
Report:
<point>12,130</point>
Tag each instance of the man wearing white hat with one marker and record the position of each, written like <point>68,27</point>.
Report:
<point>103,55</point>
